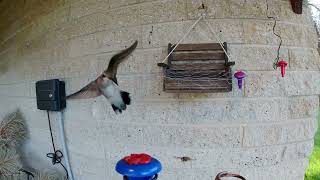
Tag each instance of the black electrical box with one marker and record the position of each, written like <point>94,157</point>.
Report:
<point>51,95</point>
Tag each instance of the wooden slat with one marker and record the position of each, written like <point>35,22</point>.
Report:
<point>182,82</point>
<point>199,47</point>
<point>196,84</point>
<point>195,74</point>
<point>198,56</point>
<point>197,90</point>
<point>198,66</point>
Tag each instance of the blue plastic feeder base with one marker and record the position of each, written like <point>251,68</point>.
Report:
<point>147,170</point>
<point>141,178</point>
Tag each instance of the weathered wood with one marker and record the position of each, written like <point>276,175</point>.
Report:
<point>202,68</point>
<point>198,47</point>
<point>182,85</point>
<point>214,90</point>
<point>198,74</point>
<point>297,6</point>
<point>198,66</point>
<point>197,83</point>
<point>198,56</point>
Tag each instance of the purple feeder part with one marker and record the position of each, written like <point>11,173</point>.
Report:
<point>240,75</point>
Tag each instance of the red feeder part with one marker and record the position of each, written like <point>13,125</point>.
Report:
<point>136,159</point>
<point>283,65</point>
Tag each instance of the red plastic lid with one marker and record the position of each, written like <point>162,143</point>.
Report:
<point>136,159</point>
<point>282,63</point>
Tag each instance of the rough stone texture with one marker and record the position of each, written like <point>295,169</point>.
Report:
<point>264,131</point>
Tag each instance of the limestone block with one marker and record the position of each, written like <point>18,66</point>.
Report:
<point>282,10</point>
<point>51,21</point>
<point>303,83</point>
<point>84,138</point>
<point>298,151</point>
<point>88,167</point>
<point>20,89</point>
<point>6,57</point>
<point>255,58</point>
<point>119,3</point>
<point>172,136</point>
<point>195,112</point>
<point>82,26</point>
<point>304,59</point>
<point>83,175</point>
<point>272,84</point>
<point>264,84</point>
<point>161,34</point>
<point>259,135</point>
<point>104,41</point>
<point>260,32</point>
<point>164,11</point>
<point>123,134</point>
<point>120,17</point>
<point>84,8</point>
<point>207,137</point>
<point>304,106</point>
<point>228,9</point>
<point>293,170</point>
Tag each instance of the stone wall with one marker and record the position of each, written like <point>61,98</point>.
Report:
<point>263,132</point>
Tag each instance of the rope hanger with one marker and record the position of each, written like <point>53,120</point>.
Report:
<point>203,16</point>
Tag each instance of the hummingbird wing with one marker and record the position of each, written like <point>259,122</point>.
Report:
<point>89,91</point>
<point>111,71</point>
<point>92,89</point>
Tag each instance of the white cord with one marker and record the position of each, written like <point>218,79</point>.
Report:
<point>217,38</point>
<point>189,30</point>
<point>185,35</point>
<point>64,146</point>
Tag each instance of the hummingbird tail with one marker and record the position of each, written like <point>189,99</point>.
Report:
<point>126,97</point>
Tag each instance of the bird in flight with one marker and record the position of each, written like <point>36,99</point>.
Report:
<point>107,85</point>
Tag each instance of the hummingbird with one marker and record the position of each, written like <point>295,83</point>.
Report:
<point>107,85</point>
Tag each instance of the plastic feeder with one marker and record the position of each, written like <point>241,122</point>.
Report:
<point>139,167</point>
<point>283,64</point>
<point>240,75</point>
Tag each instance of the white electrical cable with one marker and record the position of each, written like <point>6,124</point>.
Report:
<point>64,145</point>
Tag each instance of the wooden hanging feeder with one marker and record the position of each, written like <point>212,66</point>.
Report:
<point>198,68</point>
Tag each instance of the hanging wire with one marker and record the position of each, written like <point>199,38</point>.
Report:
<point>276,60</point>
<point>28,173</point>
<point>57,155</point>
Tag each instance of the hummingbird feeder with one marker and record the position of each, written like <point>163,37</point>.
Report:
<point>240,75</point>
<point>282,64</point>
<point>139,167</point>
